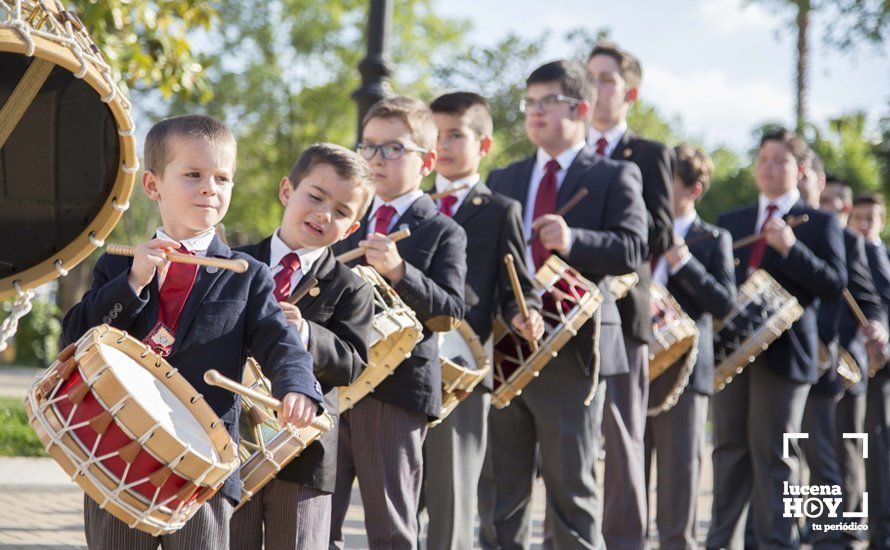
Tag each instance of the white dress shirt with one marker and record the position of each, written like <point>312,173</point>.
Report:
<point>444,184</point>
<point>197,245</point>
<point>681,228</point>
<point>613,135</point>
<point>401,204</point>
<point>565,159</point>
<point>308,257</point>
<point>783,202</point>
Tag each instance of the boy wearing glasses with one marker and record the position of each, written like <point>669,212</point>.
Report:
<point>605,234</point>
<point>381,438</point>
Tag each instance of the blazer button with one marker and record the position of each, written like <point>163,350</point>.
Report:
<point>112,314</point>
<point>106,320</point>
<point>118,308</point>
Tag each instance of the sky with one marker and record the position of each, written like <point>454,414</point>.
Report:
<point>722,66</point>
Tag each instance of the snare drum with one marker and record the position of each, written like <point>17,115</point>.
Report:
<point>395,331</point>
<point>673,332</point>
<point>570,300</point>
<point>763,311</point>
<point>131,431</point>
<point>619,286</point>
<point>848,369</point>
<point>265,448</point>
<point>465,364</point>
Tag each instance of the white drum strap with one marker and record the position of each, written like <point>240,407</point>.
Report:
<point>597,318</point>
<point>20,308</point>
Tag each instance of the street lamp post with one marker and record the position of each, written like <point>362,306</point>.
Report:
<point>376,67</point>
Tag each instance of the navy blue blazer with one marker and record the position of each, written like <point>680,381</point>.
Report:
<point>433,286</point>
<point>227,316</point>
<point>837,326</point>
<point>705,289</point>
<point>609,238</point>
<point>814,269</point>
<point>339,318</point>
<point>879,264</point>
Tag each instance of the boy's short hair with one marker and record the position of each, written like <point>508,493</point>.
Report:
<point>574,79</point>
<point>694,165</point>
<point>628,65</point>
<point>816,163</point>
<point>347,164</point>
<point>474,106</point>
<point>846,189</point>
<point>413,112</point>
<point>157,142</point>
<point>871,199</point>
<point>795,144</point>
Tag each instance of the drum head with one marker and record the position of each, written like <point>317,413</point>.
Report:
<point>57,168</point>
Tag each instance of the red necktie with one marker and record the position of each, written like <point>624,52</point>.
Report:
<point>447,205</point>
<point>758,249</point>
<point>545,203</point>
<point>601,144</point>
<point>175,291</point>
<point>290,263</point>
<point>383,218</point>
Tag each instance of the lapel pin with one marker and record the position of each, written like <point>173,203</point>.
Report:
<point>628,152</point>
<point>477,201</point>
<point>314,291</point>
<point>403,226</point>
<point>212,269</point>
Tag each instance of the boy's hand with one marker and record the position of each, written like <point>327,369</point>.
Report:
<point>553,232</point>
<point>677,253</point>
<point>531,331</point>
<point>779,235</point>
<point>382,254</point>
<point>148,259</point>
<point>297,409</point>
<point>292,314</point>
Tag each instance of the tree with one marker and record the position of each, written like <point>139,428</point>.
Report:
<point>848,152</point>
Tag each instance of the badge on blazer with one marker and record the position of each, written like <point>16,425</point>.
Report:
<point>160,339</point>
<point>477,201</point>
<point>628,152</point>
<point>212,269</point>
<point>314,291</point>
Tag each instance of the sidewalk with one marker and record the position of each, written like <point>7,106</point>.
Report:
<point>15,381</point>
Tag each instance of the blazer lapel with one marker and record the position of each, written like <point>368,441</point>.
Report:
<point>478,197</point>
<point>576,172</point>
<point>770,257</point>
<point>419,210</point>
<point>205,279</point>
<point>518,189</point>
<point>323,270</point>
<point>625,149</point>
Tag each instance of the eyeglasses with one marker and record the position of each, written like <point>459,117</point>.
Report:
<point>546,103</point>
<point>389,151</point>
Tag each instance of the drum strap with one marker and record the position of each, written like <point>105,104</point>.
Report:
<point>597,318</point>
<point>172,297</point>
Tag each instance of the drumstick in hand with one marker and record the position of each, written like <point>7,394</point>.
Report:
<point>237,265</point>
<point>358,252</point>
<point>447,192</point>
<point>520,299</point>
<point>303,290</point>
<point>792,223</point>
<point>214,378</point>
<point>857,312</point>
<point>573,202</point>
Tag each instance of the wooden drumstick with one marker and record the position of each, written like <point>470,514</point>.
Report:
<point>520,298</point>
<point>214,378</point>
<point>447,192</point>
<point>359,251</point>
<point>303,290</point>
<point>564,209</point>
<point>792,223</point>
<point>22,96</point>
<point>713,234</point>
<point>238,265</point>
<point>857,312</point>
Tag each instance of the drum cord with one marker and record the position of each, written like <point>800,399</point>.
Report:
<point>20,308</point>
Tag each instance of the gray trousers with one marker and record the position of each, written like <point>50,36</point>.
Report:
<point>820,454</point>
<point>877,467</point>
<point>382,446</point>
<point>676,438</point>
<point>283,515</point>
<point>750,416</point>
<point>850,418</point>
<point>550,418</point>
<point>624,425</point>
<point>208,528</point>
<point>453,454</point>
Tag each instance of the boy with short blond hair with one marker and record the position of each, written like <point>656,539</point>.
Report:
<point>195,317</point>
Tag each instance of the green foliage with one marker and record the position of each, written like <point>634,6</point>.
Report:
<point>17,438</point>
<point>848,152</point>
<point>37,338</point>
<point>732,185</point>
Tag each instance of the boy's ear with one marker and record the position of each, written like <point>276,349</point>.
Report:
<point>485,144</point>
<point>429,162</point>
<point>583,110</point>
<point>632,95</point>
<point>352,228</point>
<point>284,190</point>
<point>150,185</point>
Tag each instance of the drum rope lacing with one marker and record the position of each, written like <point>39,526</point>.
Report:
<point>20,308</point>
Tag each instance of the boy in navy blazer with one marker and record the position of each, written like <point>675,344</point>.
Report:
<point>455,449</point>
<point>325,195</point>
<point>196,317</point>
<point>381,438</point>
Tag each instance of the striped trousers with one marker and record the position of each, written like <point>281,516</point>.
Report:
<point>284,516</point>
<point>207,529</point>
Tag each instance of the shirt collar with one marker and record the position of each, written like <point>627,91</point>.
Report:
<point>401,204</point>
<point>308,256</point>
<point>199,243</point>
<point>612,135</point>
<point>565,159</point>
<point>444,184</point>
<point>683,223</point>
<point>783,202</point>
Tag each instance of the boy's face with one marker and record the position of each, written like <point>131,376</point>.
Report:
<point>460,150</point>
<point>194,191</point>
<point>775,170</point>
<point>394,178</point>
<point>553,126</point>
<point>867,220</point>
<point>321,211</point>
<point>832,199</point>
<point>613,96</point>
<point>685,196</point>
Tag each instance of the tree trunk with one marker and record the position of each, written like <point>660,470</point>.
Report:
<point>803,53</point>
